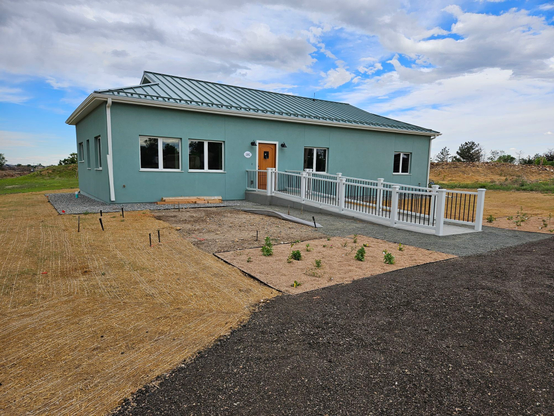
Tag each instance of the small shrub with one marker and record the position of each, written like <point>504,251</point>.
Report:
<point>267,248</point>
<point>365,245</point>
<point>317,263</point>
<point>400,247</point>
<point>345,244</point>
<point>308,247</point>
<point>355,240</point>
<point>296,284</point>
<point>329,238</point>
<point>490,218</point>
<point>360,254</point>
<point>296,255</point>
<point>510,218</point>
<point>388,258</point>
<point>249,260</point>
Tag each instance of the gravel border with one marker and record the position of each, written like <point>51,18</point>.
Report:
<point>85,204</point>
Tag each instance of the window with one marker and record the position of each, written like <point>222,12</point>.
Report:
<point>88,154</point>
<point>158,153</point>
<point>315,159</point>
<point>401,163</point>
<point>98,152</point>
<point>205,155</point>
<point>81,152</point>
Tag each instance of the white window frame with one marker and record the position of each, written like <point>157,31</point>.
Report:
<point>88,154</point>
<point>206,156</point>
<point>160,155</point>
<point>409,163</point>
<point>81,152</point>
<point>315,149</point>
<point>98,152</point>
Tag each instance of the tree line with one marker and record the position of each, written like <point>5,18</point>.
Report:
<point>474,152</point>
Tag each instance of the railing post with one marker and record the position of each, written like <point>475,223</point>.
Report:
<point>337,193</point>
<point>441,201</point>
<point>480,209</point>
<point>380,196</point>
<point>303,182</point>
<point>341,188</point>
<point>269,181</point>
<point>432,213</point>
<point>394,206</point>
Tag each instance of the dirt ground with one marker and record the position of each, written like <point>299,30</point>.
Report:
<point>464,172</point>
<point>338,264</point>
<point>88,317</point>
<point>468,336</point>
<point>225,229</point>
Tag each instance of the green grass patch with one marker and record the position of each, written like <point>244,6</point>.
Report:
<point>47,179</point>
<point>520,185</point>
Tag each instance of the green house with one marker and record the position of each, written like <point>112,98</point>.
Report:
<point>171,136</point>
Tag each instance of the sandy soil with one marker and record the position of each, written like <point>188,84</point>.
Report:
<point>541,224</point>
<point>338,264</point>
<point>226,229</point>
<point>488,172</point>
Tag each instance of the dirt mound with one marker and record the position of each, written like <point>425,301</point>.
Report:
<point>489,172</point>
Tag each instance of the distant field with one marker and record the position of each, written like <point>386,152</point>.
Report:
<point>493,176</point>
<point>47,179</point>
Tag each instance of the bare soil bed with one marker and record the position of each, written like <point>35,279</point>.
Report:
<point>225,229</point>
<point>488,172</point>
<point>337,262</point>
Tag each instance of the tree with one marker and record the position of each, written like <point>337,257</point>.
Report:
<point>470,152</point>
<point>72,159</point>
<point>506,159</point>
<point>549,155</point>
<point>495,155</point>
<point>2,161</point>
<point>443,155</point>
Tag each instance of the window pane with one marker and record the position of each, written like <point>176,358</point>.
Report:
<point>196,155</point>
<point>215,156</point>
<point>81,151</point>
<point>171,149</point>
<point>396,165</point>
<point>321,160</point>
<point>405,163</point>
<point>149,153</point>
<point>308,158</point>
<point>88,153</point>
<point>98,146</point>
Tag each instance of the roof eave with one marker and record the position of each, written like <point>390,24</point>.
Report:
<point>85,108</point>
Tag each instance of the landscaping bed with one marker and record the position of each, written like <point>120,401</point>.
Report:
<point>327,261</point>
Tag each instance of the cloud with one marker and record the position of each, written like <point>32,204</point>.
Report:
<point>336,77</point>
<point>13,95</point>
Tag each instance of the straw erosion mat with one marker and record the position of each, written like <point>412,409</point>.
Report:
<point>88,318</point>
<point>328,261</point>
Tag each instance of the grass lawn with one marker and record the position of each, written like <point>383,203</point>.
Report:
<point>47,179</point>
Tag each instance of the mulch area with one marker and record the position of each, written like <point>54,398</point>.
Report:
<point>469,336</point>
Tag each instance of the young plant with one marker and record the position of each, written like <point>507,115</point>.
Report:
<point>317,263</point>
<point>510,218</point>
<point>296,255</point>
<point>296,284</point>
<point>267,248</point>
<point>308,247</point>
<point>355,240</point>
<point>365,245</point>
<point>345,244</point>
<point>490,218</point>
<point>360,254</point>
<point>249,260</point>
<point>329,238</point>
<point>388,258</point>
<point>400,247</point>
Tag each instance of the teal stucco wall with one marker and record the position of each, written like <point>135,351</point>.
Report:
<point>93,181</point>
<point>358,153</point>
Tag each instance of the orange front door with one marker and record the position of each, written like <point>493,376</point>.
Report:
<point>266,159</point>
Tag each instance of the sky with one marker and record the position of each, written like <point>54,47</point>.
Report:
<point>474,70</point>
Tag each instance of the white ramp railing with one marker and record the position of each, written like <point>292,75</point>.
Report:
<point>396,204</point>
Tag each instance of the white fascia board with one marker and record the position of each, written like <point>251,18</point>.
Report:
<point>76,116</point>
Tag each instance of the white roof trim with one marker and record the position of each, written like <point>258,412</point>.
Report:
<point>80,112</point>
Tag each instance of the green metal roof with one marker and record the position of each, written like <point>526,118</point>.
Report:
<point>173,89</point>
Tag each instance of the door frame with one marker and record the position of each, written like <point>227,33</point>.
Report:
<point>276,152</point>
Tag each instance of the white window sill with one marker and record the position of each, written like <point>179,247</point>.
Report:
<point>207,171</point>
<point>98,169</point>
<point>89,169</point>
<point>403,174</point>
<point>81,161</point>
<point>161,170</point>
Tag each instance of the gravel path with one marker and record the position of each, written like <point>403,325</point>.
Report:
<point>468,336</point>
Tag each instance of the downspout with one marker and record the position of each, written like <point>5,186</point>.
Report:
<point>429,161</point>
<point>110,155</point>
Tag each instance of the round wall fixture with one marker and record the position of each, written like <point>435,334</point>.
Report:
<point>247,155</point>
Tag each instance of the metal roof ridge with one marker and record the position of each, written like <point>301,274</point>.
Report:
<point>245,88</point>
<point>124,88</point>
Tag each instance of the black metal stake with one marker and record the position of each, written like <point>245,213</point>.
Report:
<point>78,224</point>
<point>256,235</point>
<point>101,224</point>
<point>150,238</point>
<point>289,210</point>
<point>315,226</point>
<point>122,212</point>
<point>159,239</point>
<point>100,212</point>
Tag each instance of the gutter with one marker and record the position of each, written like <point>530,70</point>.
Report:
<point>109,156</point>
<point>82,110</point>
<point>429,159</point>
